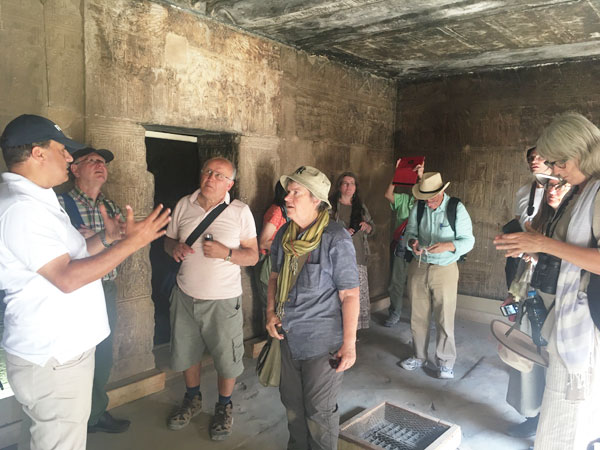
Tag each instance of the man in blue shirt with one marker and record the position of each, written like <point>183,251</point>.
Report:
<point>433,273</point>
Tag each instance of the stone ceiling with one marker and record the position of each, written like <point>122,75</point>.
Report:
<point>422,38</point>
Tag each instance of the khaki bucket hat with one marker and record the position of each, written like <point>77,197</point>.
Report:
<point>312,179</point>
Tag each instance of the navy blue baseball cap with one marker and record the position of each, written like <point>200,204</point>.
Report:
<point>106,154</point>
<point>29,128</point>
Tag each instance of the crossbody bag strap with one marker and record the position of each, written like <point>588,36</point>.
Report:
<point>530,205</point>
<point>72,210</point>
<point>193,237</point>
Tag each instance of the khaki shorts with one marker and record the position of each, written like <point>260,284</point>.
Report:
<point>215,326</point>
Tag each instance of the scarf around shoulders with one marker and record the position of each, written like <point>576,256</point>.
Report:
<point>293,249</point>
<point>575,329</point>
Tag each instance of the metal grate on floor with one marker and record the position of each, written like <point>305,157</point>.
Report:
<point>394,428</point>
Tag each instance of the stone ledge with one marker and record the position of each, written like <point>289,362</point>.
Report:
<point>135,387</point>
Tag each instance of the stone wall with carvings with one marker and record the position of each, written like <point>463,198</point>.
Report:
<point>475,130</point>
<point>105,68</point>
<point>150,63</point>
<point>41,57</point>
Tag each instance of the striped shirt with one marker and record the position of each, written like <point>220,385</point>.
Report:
<point>90,214</point>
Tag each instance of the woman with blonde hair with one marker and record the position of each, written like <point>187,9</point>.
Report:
<point>568,248</point>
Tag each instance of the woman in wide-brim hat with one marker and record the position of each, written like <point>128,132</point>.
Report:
<point>312,308</point>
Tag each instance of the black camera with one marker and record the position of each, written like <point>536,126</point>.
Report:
<point>334,362</point>
<point>510,309</point>
<point>545,275</point>
<point>514,226</point>
<point>537,313</point>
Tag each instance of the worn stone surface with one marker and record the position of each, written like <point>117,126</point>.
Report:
<point>475,130</point>
<point>129,184</point>
<point>41,58</point>
<point>152,63</point>
<point>132,346</point>
<point>422,38</point>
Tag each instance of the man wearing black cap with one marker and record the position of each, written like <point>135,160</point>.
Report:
<point>82,204</point>
<point>55,310</point>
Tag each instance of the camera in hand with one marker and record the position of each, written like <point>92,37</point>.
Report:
<point>510,309</point>
<point>545,275</point>
<point>334,361</point>
<point>514,226</point>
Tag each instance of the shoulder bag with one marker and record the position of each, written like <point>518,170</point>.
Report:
<point>268,364</point>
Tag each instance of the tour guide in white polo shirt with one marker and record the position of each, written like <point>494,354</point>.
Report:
<point>55,311</point>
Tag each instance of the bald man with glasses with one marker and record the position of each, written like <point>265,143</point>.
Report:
<point>205,310</point>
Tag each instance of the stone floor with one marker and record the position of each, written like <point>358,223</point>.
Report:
<point>474,399</point>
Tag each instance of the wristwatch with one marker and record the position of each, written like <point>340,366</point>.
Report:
<point>102,234</point>
<point>228,257</point>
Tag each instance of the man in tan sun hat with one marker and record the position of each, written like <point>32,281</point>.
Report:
<point>312,309</point>
<point>438,233</point>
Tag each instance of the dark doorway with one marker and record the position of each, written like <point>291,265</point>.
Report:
<point>176,166</point>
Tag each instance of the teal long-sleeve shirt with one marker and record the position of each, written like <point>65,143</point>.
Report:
<point>435,228</point>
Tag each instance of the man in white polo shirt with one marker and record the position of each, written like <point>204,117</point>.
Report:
<point>206,311</point>
<point>55,312</point>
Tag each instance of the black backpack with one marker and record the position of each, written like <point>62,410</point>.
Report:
<point>450,213</point>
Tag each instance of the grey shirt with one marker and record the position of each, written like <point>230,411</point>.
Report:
<point>313,313</point>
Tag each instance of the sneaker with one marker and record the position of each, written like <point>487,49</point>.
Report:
<point>445,373</point>
<point>189,408</point>
<point>222,422</point>
<point>391,320</point>
<point>411,363</point>
<point>525,429</point>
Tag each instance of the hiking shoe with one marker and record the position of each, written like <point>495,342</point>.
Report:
<point>411,363</point>
<point>189,408</point>
<point>222,422</point>
<point>525,429</point>
<point>445,373</point>
<point>391,320</point>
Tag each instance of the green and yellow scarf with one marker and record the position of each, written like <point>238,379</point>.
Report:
<point>293,249</point>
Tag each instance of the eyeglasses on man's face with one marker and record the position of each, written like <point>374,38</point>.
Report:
<point>557,164</point>
<point>91,162</point>
<point>218,176</point>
